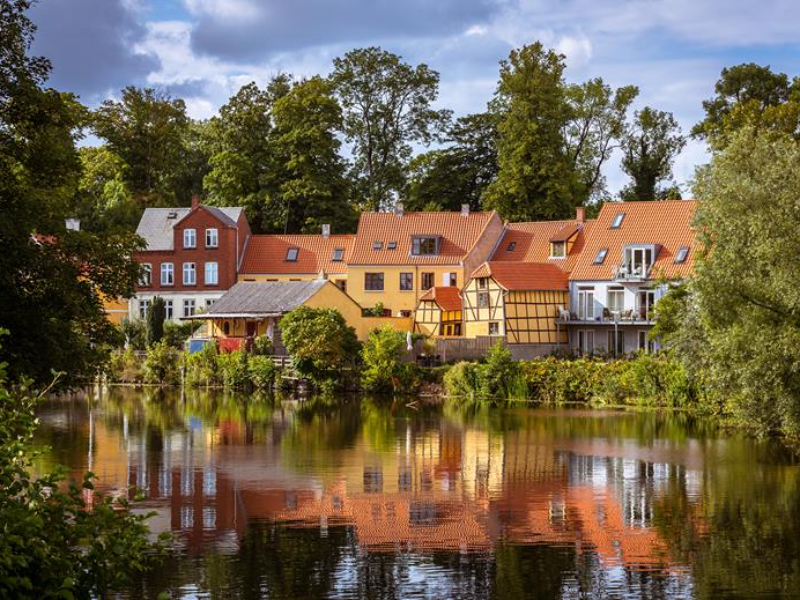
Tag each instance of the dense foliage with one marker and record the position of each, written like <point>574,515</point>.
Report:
<point>385,362</point>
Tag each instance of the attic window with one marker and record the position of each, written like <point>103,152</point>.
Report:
<point>511,246</point>
<point>377,245</point>
<point>391,245</point>
<point>558,249</point>
<point>291,254</point>
<point>601,256</point>
<point>425,246</point>
<point>683,252</point>
<point>617,221</point>
<point>338,254</point>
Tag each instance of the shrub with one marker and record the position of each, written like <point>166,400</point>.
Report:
<point>261,371</point>
<point>176,334</point>
<point>135,332</point>
<point>156,313</point>
<point>202,368</point>
<point>498,373</point>
<point>262,346</point>
<point>463,380</point>
<point>233,368</point>
<point>162,364</point>
<point>384,368</point>
<point>125,367</point>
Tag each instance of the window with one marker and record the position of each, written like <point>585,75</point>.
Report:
<point>189,274</point>
<point>391,245</point>
<point>617,220</point>
<point>683,252</point>
<point>638,260</point>
<point>427,281</point>
<point>212,238</point>
<point>168,310</point>
<point>377,245</point>
<point>616,342</point>
<point>341,284</point>
<point>147,275</point>
<point>373,282</point>
<point>511,246</point>
<point>645,343</point>
<point>586,341</point>
<point>212,274</point>
<point>143,306</point>
<point>483,283</point>
<point>167,274</point>
<point>494,328</point>
<point>291,254</point>
<point>616,299</point>
<point>406,281</point>
<point>425,246</point>
<point>338,254</point>
<point>189,238</point>
<point>558,249</point>
<point>586,303</point>
<point>601,256</point>
<point>209,302</point>
<point>188,307</point>
<point>453,281</point>
<point>483,299</point>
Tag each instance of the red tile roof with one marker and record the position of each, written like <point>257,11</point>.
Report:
<point>458,233</point>
<point>266,254</point>
<point>445,296</point>
<point>667,224</point>
<point>524,276</point>
<point>531,242</point>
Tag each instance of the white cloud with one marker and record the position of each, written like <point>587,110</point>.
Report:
<point>578,50</point>
<point>228,10</point>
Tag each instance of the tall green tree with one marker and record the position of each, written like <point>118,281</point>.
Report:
<point>103,199</point>
<point>649,149</point>
<point>52,281</point>
<point>387,106</point>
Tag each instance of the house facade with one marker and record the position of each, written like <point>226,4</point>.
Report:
<point>619,275</point>
<point>439,312</point>
<point>192,257</point>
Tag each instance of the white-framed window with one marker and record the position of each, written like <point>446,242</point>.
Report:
<point>494,328</point>
<point>147,275</point>
<point>617,222</point>
<point>212,237</point>
<point>449,279</point>
<point>190,238</point>
<point>209,302</point>
<point>188,307</point>
<point>143,306</point>
<point>645,343</point>
<point>291,254</point>
<point>616,299</point>
<point>483,299</point>
<point>558,249</point>
<point>189,274</point>
<point>167,274</point>
<point>211,274</point>
<point>586,303</point>
<point>616,342</point>
<point>169,311</point>
<point>586,341</point>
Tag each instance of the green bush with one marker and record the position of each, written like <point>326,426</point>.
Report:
<point>202,367</point>
<point>463,380</point>
<point>156,313</point>
<point>125,367</point>
<point>383,366</point>
<point>135,333</point>
<point>233,368</point>
<point>162,364</point>
<point>176,334</point>
<point>261,371</point>
<point>262,346</point>
<point>499,372</point>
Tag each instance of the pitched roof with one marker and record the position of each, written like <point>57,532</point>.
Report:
<point>530,242</point>
<point>267,254</point>
<point>264,299</point>
<point>666,224</point>
<point>525,275</point>
<point>445,296</point>
<point>156,226</point>
<point>458,234</point>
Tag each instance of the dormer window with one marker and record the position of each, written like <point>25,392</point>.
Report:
<point>615,224</point>
<point>189,238</point>
<point>377,245</point>
<point>291,254</point>
<point>683,253</point>
<point>601,256</point>
<point>391,245</point>
<point>511,246</point>
<point>338,254</point>
<point>558,249</point>
<point>425,246</point>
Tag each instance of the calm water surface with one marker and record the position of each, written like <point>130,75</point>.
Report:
<point>369,499</point>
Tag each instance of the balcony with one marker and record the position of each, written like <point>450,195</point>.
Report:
<point>631,273</point>
<point>640,316</point>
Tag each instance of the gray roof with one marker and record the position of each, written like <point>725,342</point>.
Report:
<point>156,225</point>
<point>264,298</point>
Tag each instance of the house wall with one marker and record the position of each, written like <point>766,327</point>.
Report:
<point>202,300</point>
<point>116,309</point>
<point>530,317</point>
<point>477,320</point>
<point>428,318</point>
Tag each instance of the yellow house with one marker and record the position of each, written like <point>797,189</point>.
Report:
<point>439,312</point>
<point>398,256</point>
<point>116,309</point>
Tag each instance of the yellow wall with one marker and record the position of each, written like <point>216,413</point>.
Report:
<point>531,317</point>
<point>476,320</point>
<point>330,296</point>
<point>391,296</point>
<point>116,309</point>
<point>430,319</point>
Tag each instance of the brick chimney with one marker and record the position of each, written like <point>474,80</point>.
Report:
<point>465,210</point>
<point>326,230</point>
<point>580,214</point>
<point>195,201</point>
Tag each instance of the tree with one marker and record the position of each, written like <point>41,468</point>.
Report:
<point>156,313</point>
<point>384,368</point>
<point>649,148</point>
<point>320,341</point>
<point>146,129</point>
<point>387,107</point>
<point>459,174</point>
<point>52,281</point>
<point>537,178</point>
<point>750,95</point>
<point>745,286</point>
<point>103,200</point>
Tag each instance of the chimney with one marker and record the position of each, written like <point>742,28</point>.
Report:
<point>73,224</point>
<point>398,210</point>
<point>580,214</point>
<point>465,210</point>
<point>326,230</point>
<point>195,201</point>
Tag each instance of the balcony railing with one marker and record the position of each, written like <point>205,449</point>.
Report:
<point>640,316</point>
<point>631,272</point>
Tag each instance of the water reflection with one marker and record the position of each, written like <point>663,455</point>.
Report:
<point>367,499</point>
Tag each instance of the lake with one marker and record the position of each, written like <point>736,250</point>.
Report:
<point>364,498</point>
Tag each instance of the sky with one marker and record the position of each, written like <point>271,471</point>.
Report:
<point>204,50</point>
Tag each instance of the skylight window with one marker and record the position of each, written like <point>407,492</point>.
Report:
<point>511,246</point>
<point>338,254</point>
<point>291,254</point>
<point>683,252</point>
<point>377,245</point>
<point>391,245</point>
<point>617,220</point>
<point>601,256</point>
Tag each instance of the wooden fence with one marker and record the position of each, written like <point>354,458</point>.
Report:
<point>453,349</point>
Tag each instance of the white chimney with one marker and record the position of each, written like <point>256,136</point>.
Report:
<point>326,230</point>
<point>73,224</point>
<point>398,210</point>
<point>465,210</point>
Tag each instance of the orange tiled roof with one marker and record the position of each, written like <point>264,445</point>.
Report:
<point>531,242</point>
<point>445,296</point>
<point>524,276</point>
<point>266,254</point>
<point>666,223</point>
<point>458,236</point>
